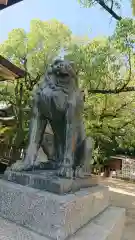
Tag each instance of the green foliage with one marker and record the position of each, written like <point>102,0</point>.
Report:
<point>133,6</point>
<point>108,63</point>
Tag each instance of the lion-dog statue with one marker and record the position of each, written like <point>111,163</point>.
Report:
<point>59,101</point>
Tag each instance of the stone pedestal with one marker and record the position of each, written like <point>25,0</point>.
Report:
<point>50,214</point>
<point>82,215</point>
<point>47,180</point>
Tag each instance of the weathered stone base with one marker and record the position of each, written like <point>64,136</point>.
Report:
<point>106,226</point>
<point>48,214</point>
<point>47,180</point>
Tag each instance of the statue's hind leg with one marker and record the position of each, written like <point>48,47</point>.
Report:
<point>85,152</point>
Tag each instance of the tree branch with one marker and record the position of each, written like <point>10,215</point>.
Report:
<point>121,89</point>
<point>124,125</point>
<point>111,91</point>
<point>116,111</point>
<point>109,10</point>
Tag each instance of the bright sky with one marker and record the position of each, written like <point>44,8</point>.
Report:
<point>93,22</point>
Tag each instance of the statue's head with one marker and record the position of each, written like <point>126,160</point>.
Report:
<point>65,73</point>
<point>63,68</point>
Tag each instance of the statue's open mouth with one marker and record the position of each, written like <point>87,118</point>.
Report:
<point>62,74</point>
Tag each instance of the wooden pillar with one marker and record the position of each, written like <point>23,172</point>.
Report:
<point>5,2</point>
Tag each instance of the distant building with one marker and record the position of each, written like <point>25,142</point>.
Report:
<point>123,166</point>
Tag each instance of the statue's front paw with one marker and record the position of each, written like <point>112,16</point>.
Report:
<point>82,172</point>
<point>29,162</point>
<point>25,165</point>
<point>18,166</point>
<point>65,172</point>
<point>79,173</point>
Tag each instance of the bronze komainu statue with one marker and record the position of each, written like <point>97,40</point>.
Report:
<point>59,101</point>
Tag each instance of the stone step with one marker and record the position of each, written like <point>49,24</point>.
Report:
<point>11,231</point>
<point>108,225</point>
<point>51,215</point>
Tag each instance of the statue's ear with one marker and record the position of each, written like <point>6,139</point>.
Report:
<point>72,64</point>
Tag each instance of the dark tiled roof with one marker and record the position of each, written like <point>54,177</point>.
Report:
<point>122,157</point>
<point>10,66</point>
<point>10,3</point>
